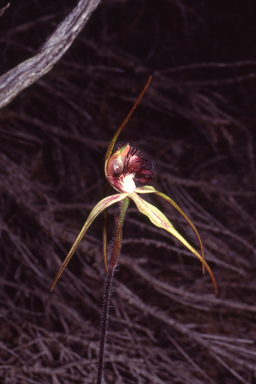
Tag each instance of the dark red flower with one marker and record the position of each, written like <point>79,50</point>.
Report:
<point>126,166</point>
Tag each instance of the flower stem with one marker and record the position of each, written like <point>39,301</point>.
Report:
<point>108,286</point>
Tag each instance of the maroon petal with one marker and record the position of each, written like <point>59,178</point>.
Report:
<point>126,166</point>
<point>136,163</point>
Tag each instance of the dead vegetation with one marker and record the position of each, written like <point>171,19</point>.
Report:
<point>196,123</point>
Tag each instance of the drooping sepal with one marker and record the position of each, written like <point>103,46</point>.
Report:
<point>160,220</point>
<point>103,204</point>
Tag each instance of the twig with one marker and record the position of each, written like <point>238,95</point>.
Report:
<point>28,72</point>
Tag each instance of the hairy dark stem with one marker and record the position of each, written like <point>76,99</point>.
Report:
<point>25,74</point>
<point>108,286</point>
<point>104,322</point>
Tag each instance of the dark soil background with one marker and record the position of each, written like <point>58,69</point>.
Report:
<point>197,125</point>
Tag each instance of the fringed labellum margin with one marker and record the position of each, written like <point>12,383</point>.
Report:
<point>126,166</point>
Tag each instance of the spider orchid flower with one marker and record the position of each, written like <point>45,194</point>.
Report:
<point>126,166</point>
<point>123,169</point>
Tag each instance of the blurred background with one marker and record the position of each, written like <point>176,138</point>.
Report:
<point>196,123</point>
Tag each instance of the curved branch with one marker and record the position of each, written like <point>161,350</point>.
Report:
<point>26,73</point>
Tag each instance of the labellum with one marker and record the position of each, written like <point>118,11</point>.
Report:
<point>126,166</point>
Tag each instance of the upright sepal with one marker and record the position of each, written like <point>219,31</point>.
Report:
<point>113,141</point>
